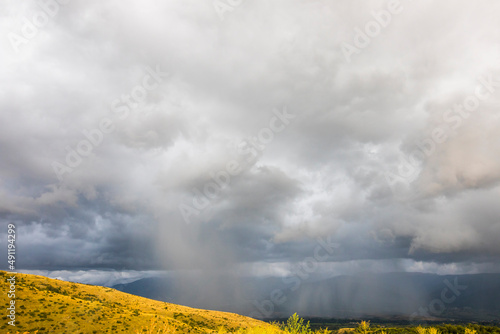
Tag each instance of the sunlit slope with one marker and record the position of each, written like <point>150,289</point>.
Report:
<point>54,306</point>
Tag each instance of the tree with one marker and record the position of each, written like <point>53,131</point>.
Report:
<point>364,327</point>
<point>295,325</point>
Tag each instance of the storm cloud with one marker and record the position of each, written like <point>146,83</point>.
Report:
<point>230,136</point>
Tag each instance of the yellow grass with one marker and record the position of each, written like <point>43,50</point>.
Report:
<point>45,305</point>
<point>53,306</point>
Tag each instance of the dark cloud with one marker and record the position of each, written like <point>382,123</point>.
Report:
<point>160,97</point>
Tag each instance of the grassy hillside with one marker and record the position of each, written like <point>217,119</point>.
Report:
<point>54,306</point>
<point>45,305</point>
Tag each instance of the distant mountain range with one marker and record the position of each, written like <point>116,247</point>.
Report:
<point>404,296</point>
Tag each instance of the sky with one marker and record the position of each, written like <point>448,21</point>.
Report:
<point>249,137</point>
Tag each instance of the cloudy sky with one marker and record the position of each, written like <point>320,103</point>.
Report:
<point>139,137</point>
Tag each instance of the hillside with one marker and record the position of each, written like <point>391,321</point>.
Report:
<point>54,306</point>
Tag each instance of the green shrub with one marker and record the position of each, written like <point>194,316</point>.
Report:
<point>295,325</point>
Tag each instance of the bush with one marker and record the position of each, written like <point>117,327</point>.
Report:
<point>295,325</point>
<point>364,326</point>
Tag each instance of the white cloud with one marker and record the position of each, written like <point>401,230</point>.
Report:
<point>355,123</point>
